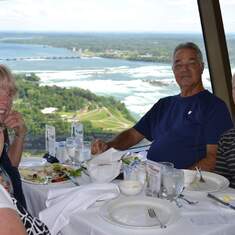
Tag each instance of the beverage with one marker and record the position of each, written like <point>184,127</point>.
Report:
<point>78,133</point>
<point>173,183</point>
<point>70,146</point>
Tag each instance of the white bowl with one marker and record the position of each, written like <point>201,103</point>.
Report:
<point>130,187</point>
<point>103,172</point>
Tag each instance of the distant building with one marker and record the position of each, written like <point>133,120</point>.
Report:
<point>48,110</point>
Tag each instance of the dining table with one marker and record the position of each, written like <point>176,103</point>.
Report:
<point>205,217</point>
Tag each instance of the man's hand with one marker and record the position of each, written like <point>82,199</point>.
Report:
<point>98,146</point>
<point>15,121</point>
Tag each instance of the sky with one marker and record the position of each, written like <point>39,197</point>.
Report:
<point>107,15</point>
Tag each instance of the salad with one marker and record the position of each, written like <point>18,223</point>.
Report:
<point>52,173</point>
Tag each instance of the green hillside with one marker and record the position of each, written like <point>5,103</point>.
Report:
<point>98,114</point>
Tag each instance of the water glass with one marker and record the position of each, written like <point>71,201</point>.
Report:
<point>153,179</point>
<point>164,167</point>
<point>5,181</point>
<point>136,177</point>
<point>85,153</point>
<point>173,183</point>
<point>61,153</point>
<point>70,146</point>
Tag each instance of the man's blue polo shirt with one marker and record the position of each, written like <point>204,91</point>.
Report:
<point>181,127</point>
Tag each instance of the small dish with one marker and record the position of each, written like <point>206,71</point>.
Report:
<point>130,187</point>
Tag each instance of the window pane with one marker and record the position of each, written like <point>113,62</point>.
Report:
<point>112,48</point>
<point>227,10</point>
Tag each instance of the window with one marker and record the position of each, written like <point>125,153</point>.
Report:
<point>111,48</point>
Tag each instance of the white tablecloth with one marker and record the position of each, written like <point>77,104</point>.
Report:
<point>207,217</point>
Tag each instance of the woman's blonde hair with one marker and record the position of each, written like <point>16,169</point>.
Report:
<point>7,80</point>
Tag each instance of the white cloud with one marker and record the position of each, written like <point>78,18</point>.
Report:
<point>100,15</point>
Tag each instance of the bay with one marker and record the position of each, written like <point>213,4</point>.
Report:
<point>127,81</point>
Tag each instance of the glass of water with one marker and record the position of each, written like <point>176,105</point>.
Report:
<point>86,151</point>
<point>173,183</point>
<point>70,146</point>
<point>5,181</point>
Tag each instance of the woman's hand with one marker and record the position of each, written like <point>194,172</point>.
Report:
<point>15,121</point>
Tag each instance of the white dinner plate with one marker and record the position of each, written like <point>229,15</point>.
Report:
<point>32,161</point>
<point>213,182</point>
<point>132,212</point>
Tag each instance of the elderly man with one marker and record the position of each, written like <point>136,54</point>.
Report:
<point>185,128</point>
<point>225,162</point>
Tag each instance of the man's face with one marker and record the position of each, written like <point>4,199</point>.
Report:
<point>6,100</point>
<point>187,68</point>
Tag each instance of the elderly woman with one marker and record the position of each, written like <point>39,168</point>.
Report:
<point>10,119</point>
<point>14,217</point>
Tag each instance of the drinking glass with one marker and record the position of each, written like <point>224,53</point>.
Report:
<point>173,183</point>
<point>70,146</point>
<point>85,153</point>
<point>164,166</point>
<point>135,178</point>
<point>153,179</point>
<point>5,181</point>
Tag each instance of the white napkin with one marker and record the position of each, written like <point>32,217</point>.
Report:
<point>62,203</point>
<point>111,155</point>
<point>106,166</point>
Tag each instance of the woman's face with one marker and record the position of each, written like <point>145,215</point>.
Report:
<point>6,100</point>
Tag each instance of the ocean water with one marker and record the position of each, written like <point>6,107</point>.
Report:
<point>127,81</point>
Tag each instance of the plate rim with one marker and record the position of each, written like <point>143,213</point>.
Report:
<point>38,159</point>
<point>221,188</point>
<point>173,219</point>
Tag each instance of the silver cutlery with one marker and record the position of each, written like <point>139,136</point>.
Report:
<point>153,214</point>
<point>220,201</point>
<point>73,180</point>
<point>201,179</point>
<point>47,180</point>
<point>181,196</point>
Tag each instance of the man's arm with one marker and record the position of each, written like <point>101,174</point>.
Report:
<point>123,141</point>
<point>15,121</point>
<point>207,163</point>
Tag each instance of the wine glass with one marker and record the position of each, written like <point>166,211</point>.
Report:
<point>70,146</point>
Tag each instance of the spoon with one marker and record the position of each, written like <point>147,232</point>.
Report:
<point>201,179</point>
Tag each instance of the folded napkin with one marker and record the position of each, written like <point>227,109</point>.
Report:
<point>64,202</point>
<point>111,155</point>
<point>106,166</point>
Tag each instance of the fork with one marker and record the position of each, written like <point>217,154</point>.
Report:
<point>201,179</point>
<point>153,214</point>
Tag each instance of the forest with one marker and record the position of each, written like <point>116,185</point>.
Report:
<point>99,115</point>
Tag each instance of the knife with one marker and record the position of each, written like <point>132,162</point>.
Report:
<point>221,201</point>
<point>73,180</point>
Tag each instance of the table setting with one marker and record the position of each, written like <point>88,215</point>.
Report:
<point>152,198</point>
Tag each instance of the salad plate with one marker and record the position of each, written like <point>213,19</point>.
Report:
<point>50,173</point>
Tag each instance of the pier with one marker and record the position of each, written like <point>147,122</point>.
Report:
<point>40,58</point>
